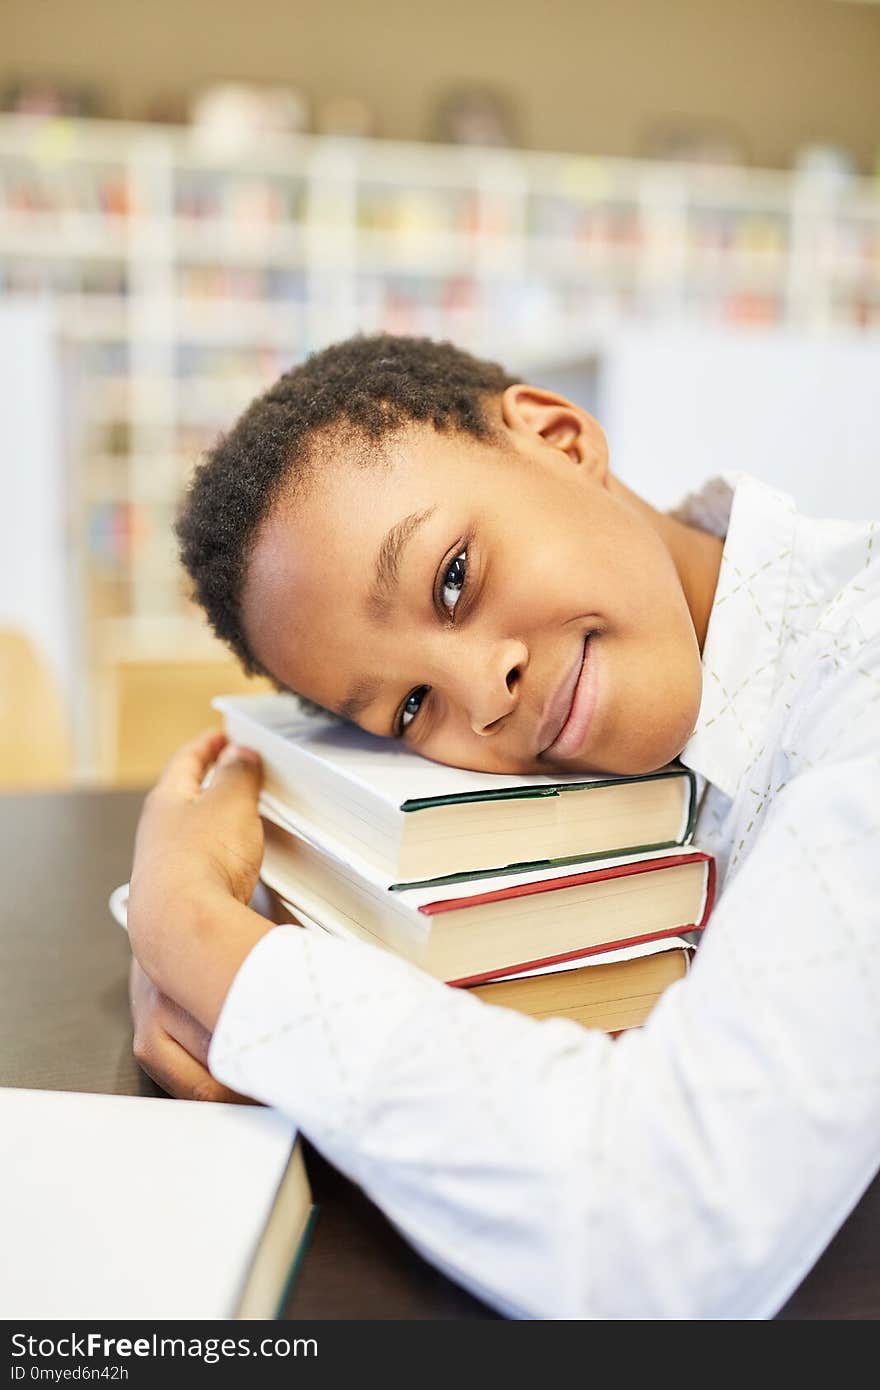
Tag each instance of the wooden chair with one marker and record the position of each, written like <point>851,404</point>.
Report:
<point>153,685</point>
<point>35,749</point>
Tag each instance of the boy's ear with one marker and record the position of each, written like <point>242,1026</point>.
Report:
<point>532,414</point>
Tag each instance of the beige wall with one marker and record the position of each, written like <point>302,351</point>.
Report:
<point>587,74</point>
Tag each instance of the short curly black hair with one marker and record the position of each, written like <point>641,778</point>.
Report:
<point>367,386</point>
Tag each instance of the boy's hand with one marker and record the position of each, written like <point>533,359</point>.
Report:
<point>170,1046</point>
<point>196,835</point>
<point>197,860</point>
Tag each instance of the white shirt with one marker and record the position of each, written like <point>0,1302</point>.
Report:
<point>697,1167</point>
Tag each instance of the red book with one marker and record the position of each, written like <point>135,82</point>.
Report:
<point>466,930</point>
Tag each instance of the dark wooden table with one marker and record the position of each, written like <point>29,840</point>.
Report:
<point>64,1025</point>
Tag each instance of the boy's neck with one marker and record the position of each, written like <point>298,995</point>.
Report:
<point>697,557</point>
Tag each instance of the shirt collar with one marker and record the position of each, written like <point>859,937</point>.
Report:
<point>744,635</point>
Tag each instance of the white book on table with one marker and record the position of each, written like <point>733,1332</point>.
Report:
<point>137,1207</point>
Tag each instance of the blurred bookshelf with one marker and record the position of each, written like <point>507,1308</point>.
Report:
<point>183,282</point>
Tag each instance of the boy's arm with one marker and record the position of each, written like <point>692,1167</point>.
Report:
<point>692,1169</point>
<point>695,1168</point>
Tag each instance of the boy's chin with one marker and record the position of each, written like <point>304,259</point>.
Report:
<point>645,751</point>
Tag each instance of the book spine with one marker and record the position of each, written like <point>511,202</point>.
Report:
<point>690,808</point>
<point>709,900</point>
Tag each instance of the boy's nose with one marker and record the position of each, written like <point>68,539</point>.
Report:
<point>493,690</point>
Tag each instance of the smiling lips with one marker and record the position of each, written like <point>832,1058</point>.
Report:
<point>571,709</point>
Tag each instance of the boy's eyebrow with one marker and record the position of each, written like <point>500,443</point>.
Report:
<point>361,694</point>
<point>379,600</point>
<point>388,558</point>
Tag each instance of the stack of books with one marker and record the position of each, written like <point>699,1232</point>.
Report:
<point>565,895</point>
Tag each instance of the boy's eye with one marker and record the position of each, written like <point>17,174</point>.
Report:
<point>410,708</point>
<point>453,581</point>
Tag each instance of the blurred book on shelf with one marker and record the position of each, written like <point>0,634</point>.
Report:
<point>48,97</point>
<point>227,118</point>
<point>710,143</point>
<point>476,115</point>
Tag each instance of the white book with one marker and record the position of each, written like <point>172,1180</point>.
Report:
<point>141,1207</point>
<point>415,819</point>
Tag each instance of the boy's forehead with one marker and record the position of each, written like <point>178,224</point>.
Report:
<point>315,555</point>
<point>422,450</point>
<point>357,487</point>
<point>351,491</point>
<point>319,538</point>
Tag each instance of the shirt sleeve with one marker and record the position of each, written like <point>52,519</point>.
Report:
<point>695,1168</point>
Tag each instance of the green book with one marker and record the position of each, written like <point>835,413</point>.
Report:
<point>416,820</point>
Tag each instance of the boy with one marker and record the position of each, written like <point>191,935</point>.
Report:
<point>424,545</point>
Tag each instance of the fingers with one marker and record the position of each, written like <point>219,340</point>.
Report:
<point>185,1030</point>
<point>156,1017</point>
<point>238,775</point>
<point>186,769</point>
<point>172,1068</point>
<point>171,1046</point>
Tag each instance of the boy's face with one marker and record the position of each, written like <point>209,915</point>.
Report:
<point>504,606</point>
